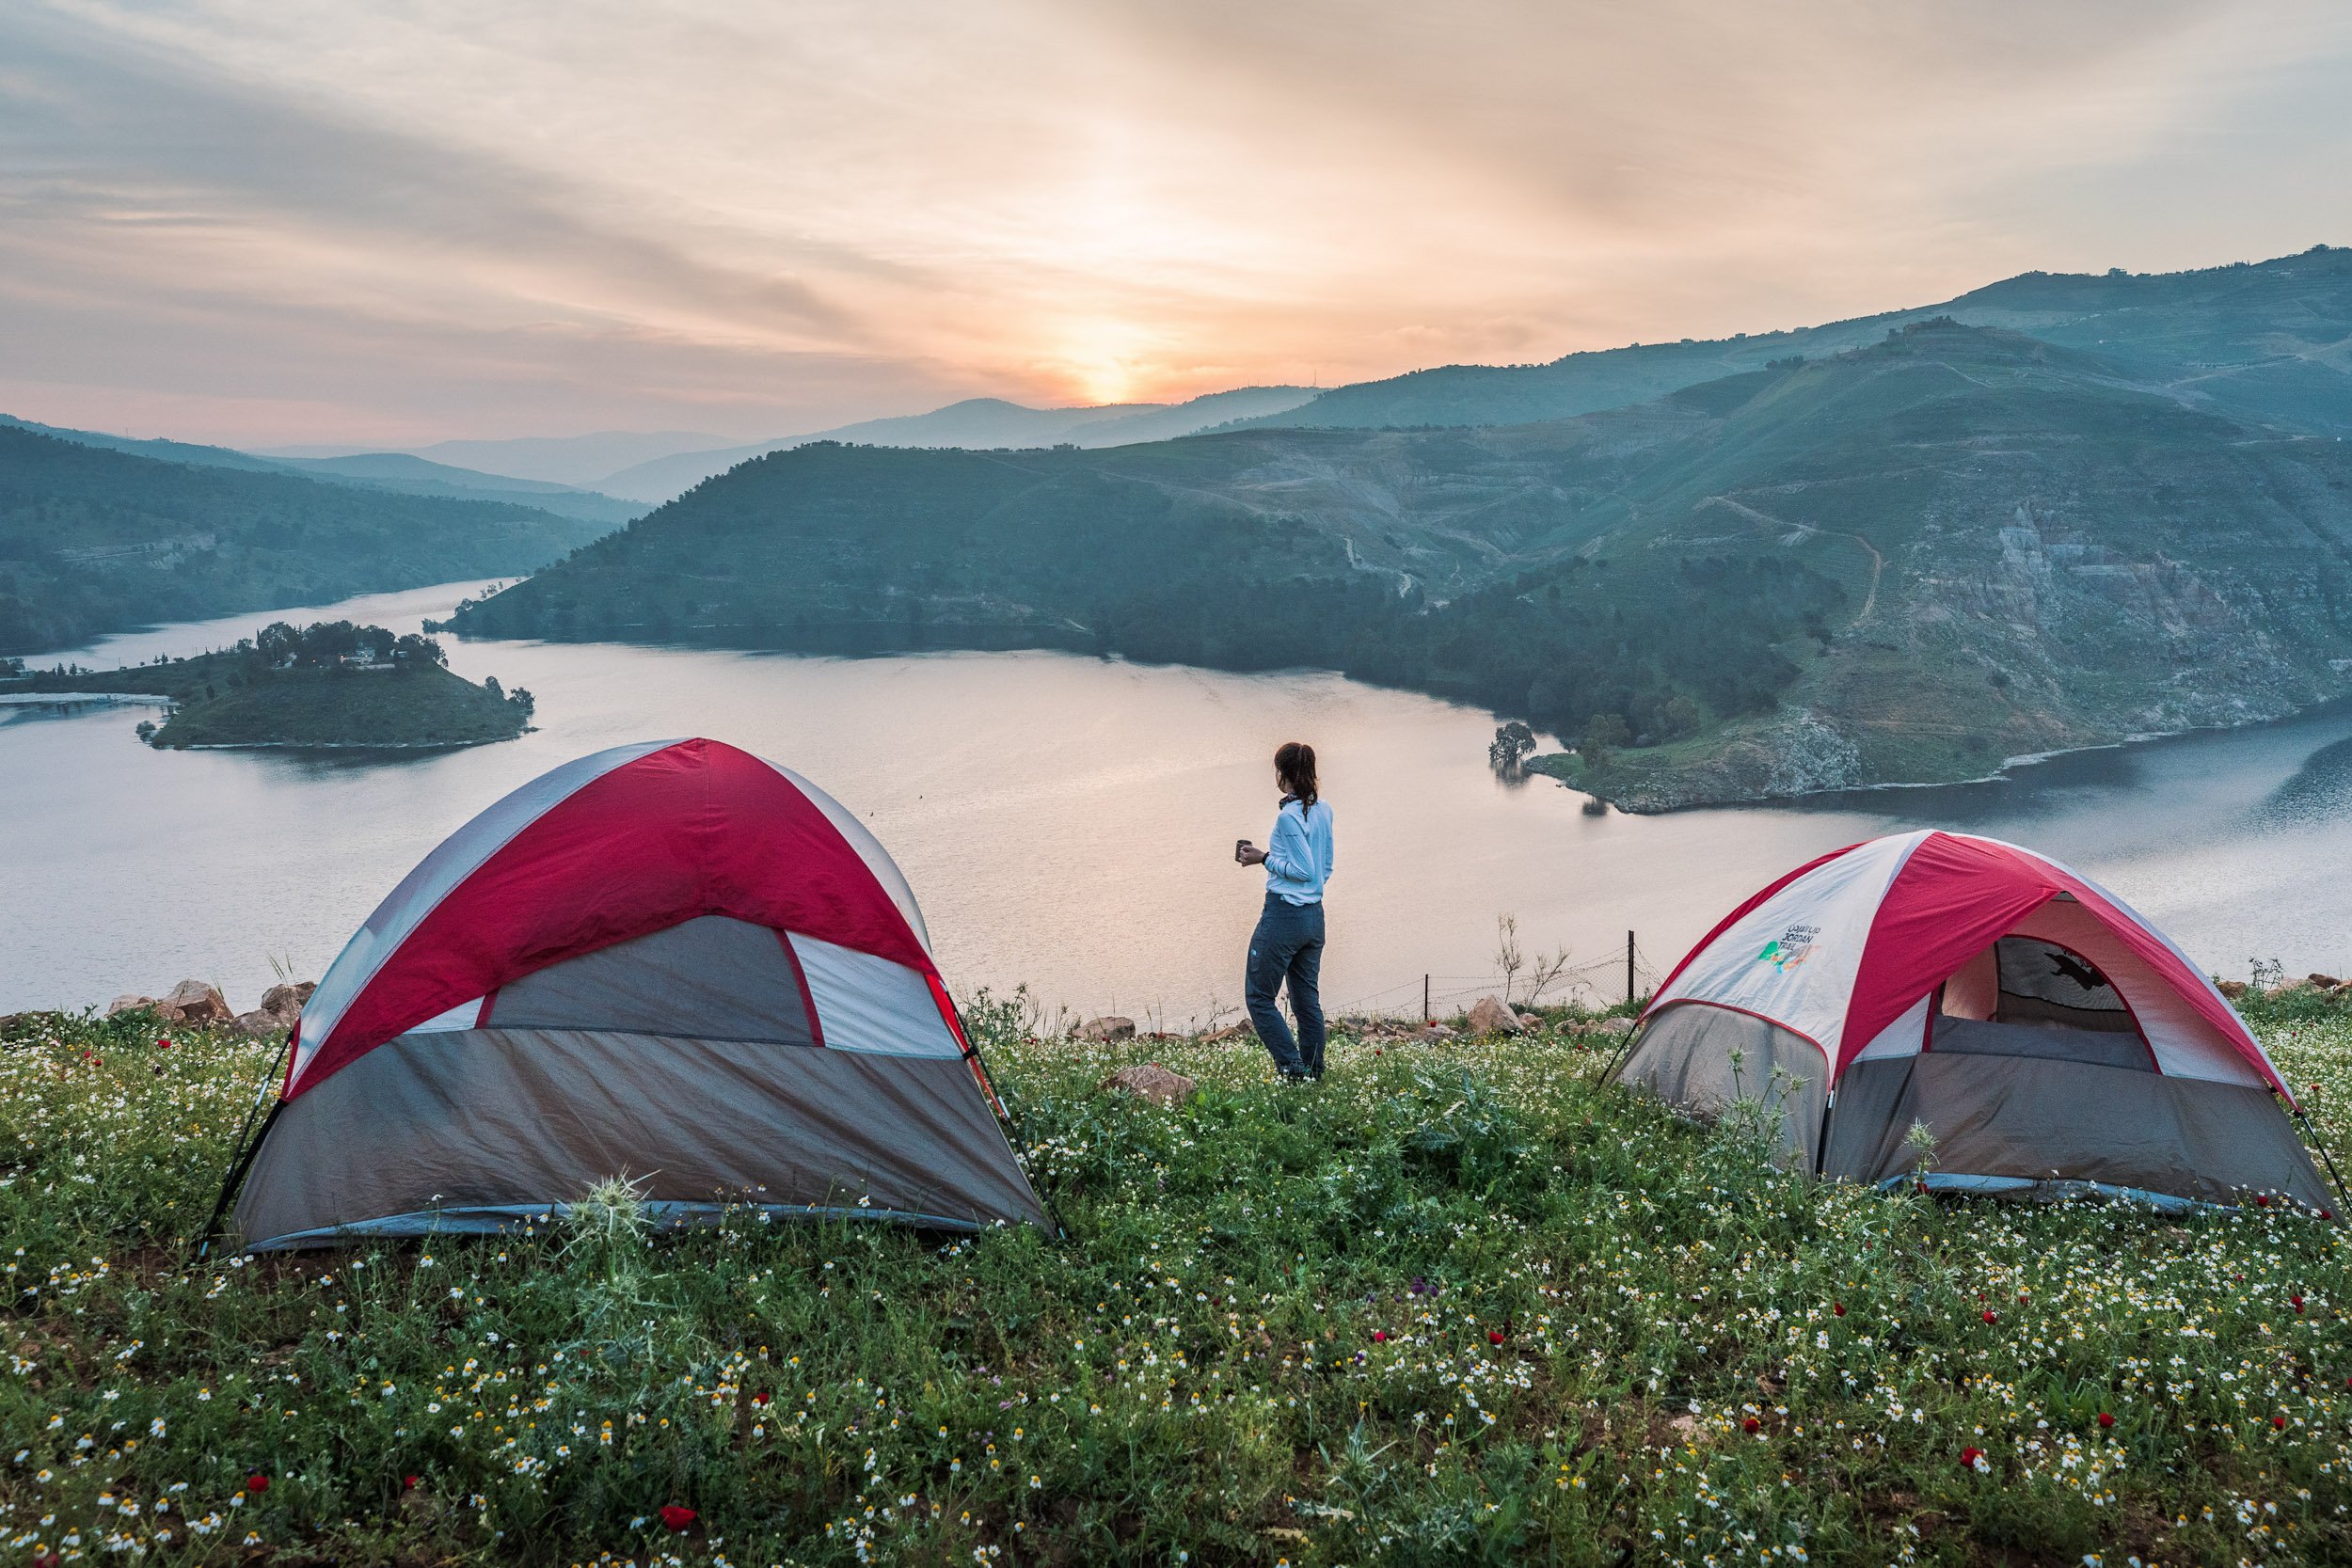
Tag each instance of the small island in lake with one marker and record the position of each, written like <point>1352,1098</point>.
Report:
<point>328,685</point>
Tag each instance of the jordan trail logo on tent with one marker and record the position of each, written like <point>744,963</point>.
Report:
<point>1790,948</point>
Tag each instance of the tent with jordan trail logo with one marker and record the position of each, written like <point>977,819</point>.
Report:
<point>672,962</point>
<point>2049,1039</point>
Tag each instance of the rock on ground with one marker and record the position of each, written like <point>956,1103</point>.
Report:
<point>1435,1032</point>
<point>1237,1032</point>
<point>1105,1029</point>
<point>1150,1080</point>
<point>1491,1017</point>
<point>194,1002</point>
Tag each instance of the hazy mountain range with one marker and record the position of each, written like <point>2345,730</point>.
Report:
<point>976,422</point>
<point>383,471</point>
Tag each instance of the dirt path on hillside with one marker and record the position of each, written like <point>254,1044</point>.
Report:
<point>1878,561</point>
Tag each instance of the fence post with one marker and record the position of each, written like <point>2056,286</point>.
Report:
<point>1424,1001</point>
<point>1629,969</point>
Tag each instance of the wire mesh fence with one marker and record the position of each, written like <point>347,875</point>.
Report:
<point>1596,983</point>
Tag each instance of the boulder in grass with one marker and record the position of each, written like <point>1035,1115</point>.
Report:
<point>1433,1032</point>
<point>2232,989</point>
<point>262,1024</point>
<point>2323,982</point>
<point>1150,1080</point>
<point>1226,1036</point>
<point>129,1002</point>
<point>1491,1017</point>
<point>194,1002</point>
<point>286,1001</point>
<point>1103,1030</point>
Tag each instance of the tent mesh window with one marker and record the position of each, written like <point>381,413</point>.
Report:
<point>2044,982</point>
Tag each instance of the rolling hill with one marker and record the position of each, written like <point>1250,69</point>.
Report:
<point>1902,562</point>
<point>95,539</point>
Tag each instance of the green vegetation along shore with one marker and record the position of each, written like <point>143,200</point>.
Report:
<point>1460,1303</point>
<point>328,685</point>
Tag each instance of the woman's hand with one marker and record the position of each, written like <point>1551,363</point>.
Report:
<point>1246,853</point>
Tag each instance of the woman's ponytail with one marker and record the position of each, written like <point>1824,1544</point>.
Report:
<point>1294,765</point>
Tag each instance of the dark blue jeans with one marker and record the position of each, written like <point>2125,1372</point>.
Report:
<point>1287,946</point>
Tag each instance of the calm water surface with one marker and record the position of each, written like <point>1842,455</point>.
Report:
<point>1068,823</point>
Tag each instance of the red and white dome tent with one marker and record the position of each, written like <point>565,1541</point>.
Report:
<point>2041,1030</point>
<point>673,962</point>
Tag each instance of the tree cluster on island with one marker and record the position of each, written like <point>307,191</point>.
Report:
<point>332,684</point>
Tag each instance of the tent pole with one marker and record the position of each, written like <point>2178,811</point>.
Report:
<point>2312,1128</point>
<point>235,1179</point>
<point>1820,1145</point>
<point>1623,1040</point>
<point>1004,1108</point>
<point>240,1155</point>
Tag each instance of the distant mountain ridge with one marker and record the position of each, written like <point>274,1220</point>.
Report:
<point>978,423</point>
<point>577,461</point>
<point>2265,341</point>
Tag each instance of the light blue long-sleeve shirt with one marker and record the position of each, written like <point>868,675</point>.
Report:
<point>1298,856</point>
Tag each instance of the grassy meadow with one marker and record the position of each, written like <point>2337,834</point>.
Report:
<point>1456,1303</point>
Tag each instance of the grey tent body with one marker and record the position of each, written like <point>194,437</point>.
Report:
<point>2068,1053</point>
<point>715,1062</point>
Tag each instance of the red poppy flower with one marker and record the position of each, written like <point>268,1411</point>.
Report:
<point>162,1045</point>
<point>2262,1200</point>
<point>1838,1307</point>
<point>407,1484</point>
<point>2278,1422</point>
<point>1751,1424</point>
<point>257,1483</point>
<point>1380,1336</point>
<point>2105,1420</point>
<point>760,1398</point>
<point>1494,1335</point>
<point>1969,1458</point>
<point>1991,1316</point>
<point>677,1518</point>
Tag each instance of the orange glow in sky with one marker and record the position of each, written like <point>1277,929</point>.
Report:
<point>367,220</point>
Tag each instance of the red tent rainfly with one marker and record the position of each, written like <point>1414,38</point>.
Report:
<point>2042,1030</point>
<point>671,961</point>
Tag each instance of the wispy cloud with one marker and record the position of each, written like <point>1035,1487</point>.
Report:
<point>355,220</point>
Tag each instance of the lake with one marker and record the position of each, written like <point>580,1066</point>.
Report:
<point>1068,822</point>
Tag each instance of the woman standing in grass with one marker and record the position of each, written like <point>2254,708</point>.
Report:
<point>1287,946</point>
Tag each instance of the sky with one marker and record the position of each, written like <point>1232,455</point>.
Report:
<point>401,221</point>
